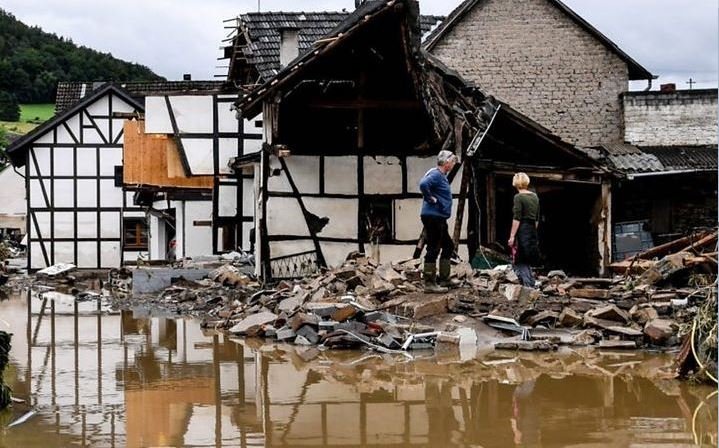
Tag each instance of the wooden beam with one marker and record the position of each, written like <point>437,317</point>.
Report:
<point>491,216</point>
<point>362,104</point>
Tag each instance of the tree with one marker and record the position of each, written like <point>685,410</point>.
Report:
<point>9,107</point>
<point>3,145</point>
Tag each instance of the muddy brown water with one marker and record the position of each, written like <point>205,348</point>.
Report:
<point>115,379</point>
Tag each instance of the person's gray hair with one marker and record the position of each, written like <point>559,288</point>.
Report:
<point>445,156</point>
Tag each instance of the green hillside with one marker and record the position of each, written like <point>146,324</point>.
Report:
<point>32,62</point>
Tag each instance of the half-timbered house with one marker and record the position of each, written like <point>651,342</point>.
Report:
<point>77,211</point>
<point>380,109</point>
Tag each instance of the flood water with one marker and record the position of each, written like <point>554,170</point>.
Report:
<point>114,379</point>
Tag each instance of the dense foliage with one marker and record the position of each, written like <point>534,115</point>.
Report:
<point>32,62</point>
<point>9,107</point>
<point>3,145</point>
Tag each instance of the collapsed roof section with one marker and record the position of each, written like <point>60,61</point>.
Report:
<point>253,45</point>
<point>373,60</point>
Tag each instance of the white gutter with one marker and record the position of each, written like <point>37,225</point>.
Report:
<point>665,173</point>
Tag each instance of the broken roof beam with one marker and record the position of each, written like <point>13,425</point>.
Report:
<point>364,104</point>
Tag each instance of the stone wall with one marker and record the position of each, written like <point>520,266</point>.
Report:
<point>684,117</point>
<point>531,55</point>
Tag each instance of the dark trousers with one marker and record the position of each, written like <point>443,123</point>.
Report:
<point>436,237</point>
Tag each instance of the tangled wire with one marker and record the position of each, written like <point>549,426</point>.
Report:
<point>704,334</point>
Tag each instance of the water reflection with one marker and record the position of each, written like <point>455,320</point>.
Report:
<point>99,378</point>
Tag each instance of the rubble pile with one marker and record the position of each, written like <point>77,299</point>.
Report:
<point>361,303</point>
<point>365,303</point>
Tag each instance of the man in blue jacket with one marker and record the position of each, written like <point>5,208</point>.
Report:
<point>436,209</point>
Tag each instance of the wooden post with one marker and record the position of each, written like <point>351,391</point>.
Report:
<point>460,207</point>
<point>491,215</point>
<point>604,227</point>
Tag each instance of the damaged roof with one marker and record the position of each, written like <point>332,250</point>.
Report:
<point>636,71</point>
<point>445,94</point>
<point>261,32</point>
<point>69,93</point>
<point>631,159</point>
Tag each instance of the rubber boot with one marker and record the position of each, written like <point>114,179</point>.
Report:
<point>430,280</point>
<point>445,269</point>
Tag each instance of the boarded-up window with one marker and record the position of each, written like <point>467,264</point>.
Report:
<point>134,235</point>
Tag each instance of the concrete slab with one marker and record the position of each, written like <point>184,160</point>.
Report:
<point>153,280</point>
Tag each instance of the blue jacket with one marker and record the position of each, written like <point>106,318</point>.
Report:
<point>435,185</point>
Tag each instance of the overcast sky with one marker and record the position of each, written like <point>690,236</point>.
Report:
<point>676,39</point>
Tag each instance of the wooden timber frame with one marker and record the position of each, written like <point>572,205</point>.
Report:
<point>333,171</point>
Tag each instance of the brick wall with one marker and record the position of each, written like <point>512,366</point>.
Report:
<point>685,117</point>
<point>532,56</point>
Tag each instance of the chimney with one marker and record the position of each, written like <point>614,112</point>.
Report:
<point>187,77</point>
<point>668,88</point>
<point>289,45</point>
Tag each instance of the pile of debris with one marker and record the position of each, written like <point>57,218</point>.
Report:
<point>361,303</point>
<point>365,303</point>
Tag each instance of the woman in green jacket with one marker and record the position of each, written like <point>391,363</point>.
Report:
<point>523,236</point>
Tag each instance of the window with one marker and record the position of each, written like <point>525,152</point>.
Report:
<point>376,219</point>
<point>134,235</point>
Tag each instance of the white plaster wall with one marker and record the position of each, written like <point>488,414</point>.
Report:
<point>248,198</point>
<point>100,107</point>
<point>304,171</point>
<point>64,225</point>
<point>63,162</point>
<point>408,224</point>
<point>253,126</point>
<point>109,158</point>
<point>87,225</point>
<point>193,113</point>
<point>336,253</point>
<point>110,254</point>
<point>73,124</point>
<point>12,193</point>
<point>120,105</point>
<point>157,242</point>
<point>87,162</point>
<point>198,238</point>
<point>227,150</point>
<point>42,155</point>
<point>227,201</point>
<point>37,200</point>
<point>341,212</point>
<point>284,217</point>
<point>110,224</point>
<point>282,248</point>
<point>157,118</point>
<point>86,254</point>
<point>180,224</point>
<point>199,155</point>
<point>226,118</point>
<point>341,175</point>
<point>382,175</point>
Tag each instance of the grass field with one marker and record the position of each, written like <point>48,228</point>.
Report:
<point>37,113</point>
<point>31,115</point>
